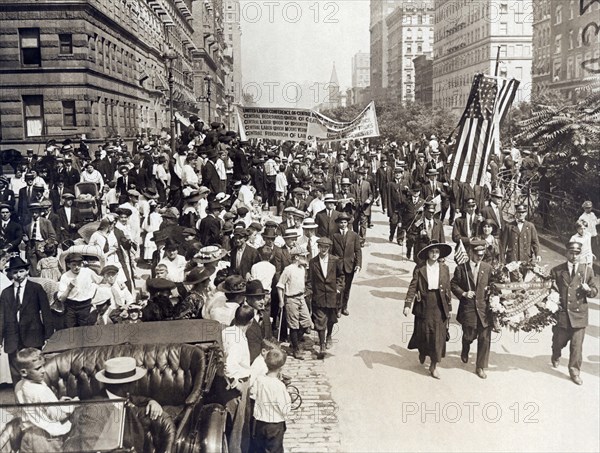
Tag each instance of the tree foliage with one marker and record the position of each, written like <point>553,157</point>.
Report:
<point>403,122</point>
<point>567,134</point>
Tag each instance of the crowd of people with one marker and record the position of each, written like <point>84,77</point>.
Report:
<point>154,234</point>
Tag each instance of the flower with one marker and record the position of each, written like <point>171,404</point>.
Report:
<point>553,297</point>
<point>552,306</point>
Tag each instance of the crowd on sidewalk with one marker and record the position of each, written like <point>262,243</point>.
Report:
<point>201,221</point>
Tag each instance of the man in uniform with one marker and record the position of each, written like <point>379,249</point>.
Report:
<point>575,283</point>
<point>427,230</point>
<point>519,240</point>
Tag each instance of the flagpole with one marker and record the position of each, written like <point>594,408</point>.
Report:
<point>497,61</point>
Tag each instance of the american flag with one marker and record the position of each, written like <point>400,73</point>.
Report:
<point>488,103</point>
<point>460,254</point>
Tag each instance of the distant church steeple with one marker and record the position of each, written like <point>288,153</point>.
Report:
<point>333,90</point>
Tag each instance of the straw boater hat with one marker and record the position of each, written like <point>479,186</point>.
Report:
<point>210,254</point>
<point>444,249</point>
<point>120,370</point>
<point>290,233</point>
<point>309,224</point>
<point>329,198</point>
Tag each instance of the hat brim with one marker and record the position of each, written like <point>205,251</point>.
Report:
<point>263,293</point>
<point>198,280</point>
<point>139,373</point>
<point>226,291</point>
<point>222,254</point>
<point>445,250</point>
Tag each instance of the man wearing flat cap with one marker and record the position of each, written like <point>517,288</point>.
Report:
<point>243,257</point>
<point>575,283</point>
<point>469,285</point>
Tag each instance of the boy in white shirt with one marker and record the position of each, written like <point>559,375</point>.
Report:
<point>272,406</point>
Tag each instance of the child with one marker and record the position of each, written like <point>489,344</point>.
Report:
<point>585,239</point>
<point>259,366</point>
<point>48,267</point>
<point>272,406</point>
<point>76,288</point>
<point>120,295</point>
<point>44,426</point>
<point>291,287</point>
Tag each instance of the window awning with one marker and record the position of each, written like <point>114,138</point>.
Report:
<point>182,119</point>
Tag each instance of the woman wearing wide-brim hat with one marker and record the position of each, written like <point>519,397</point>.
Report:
<point>487,232</point>
<point>429,296</point>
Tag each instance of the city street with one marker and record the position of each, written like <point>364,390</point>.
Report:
<point>386,401</point>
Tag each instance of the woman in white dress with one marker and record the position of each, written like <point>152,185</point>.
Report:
<point>107,241</point>
<point>151,224</point>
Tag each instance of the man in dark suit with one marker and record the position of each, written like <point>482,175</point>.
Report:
<point>434,189</point>
<point>110,164</point>
<point>575,283</point>
<point>519,240</point>
<point>363,197</point>
<point>260,327</point>
<point>36,234</point>
<point>243,257</point>
<point>24,314</point>
<point>494,211</point>
<point>210,226</point>
<point>469,285</point>
<point>427,230</point>
<point>7,196</point>
<point>326,219</point>
<point>210,176</point>
<point>125,182</point>
<point>11,232</point>
<point>346,246</point>
<point>56,194</point>
<point>325,283</point>
<point>297,201</point>
<point>395,190</point>
<point>467,226</point>
<point>67,219</point>
<point>26,196</point>
<point>70,176</point>
<point>411,206</point>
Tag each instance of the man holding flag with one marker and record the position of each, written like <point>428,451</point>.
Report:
<point>471,278</point>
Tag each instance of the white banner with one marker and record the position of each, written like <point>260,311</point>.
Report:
<point>303,124</point>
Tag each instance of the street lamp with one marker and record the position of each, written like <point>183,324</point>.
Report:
<point>170,55</point>
<point>208,79</point>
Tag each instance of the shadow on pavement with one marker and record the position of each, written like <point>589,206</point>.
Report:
<point>403,359</point>
<point>388,256</point>
<point>537,364</point>
<point>384,269</point>
<point>380,282</point>
<point>387,294</point>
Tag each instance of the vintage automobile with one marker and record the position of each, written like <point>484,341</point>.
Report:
<point>181,359</point>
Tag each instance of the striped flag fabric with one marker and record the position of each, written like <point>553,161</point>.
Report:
<point>488,103</point>
<point>460,254</point>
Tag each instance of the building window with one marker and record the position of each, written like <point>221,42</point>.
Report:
<point>33,115</point>
<point>29,40</point>
<point>558,15</point>
<point>571,42</point>
<point>69,114</point>
<point>571,8</point>
<point>578,60</point>
<point>65,43</point>
<point>409,49</point>
<point>503,28</point>
<point>569,68</point>
<point>557,42</point>
<point>419,48</point>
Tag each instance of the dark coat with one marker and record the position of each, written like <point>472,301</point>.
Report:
<point>573,300</point>
<point>63,227</point>
<point>7,196</point>
<point>459,230</point>
<point>469,310</point>
<point>297,203</point>
<point>327,225</point>
<point>33,326</point>
<point>11,236</point>
<point>255,335</point>
<point>488,213</point>
<point>210,177</point>
<point>249,258</point>
<point>24,201</point>
<point>409,210</point>
<point>518,246</point>
<point>419,286</point>
<point>210,230</point>
<point>70,178</point>
<point>363,195</point>
<point>348,249</point>
<point>325,290</point>
<point>281,258</point>
<point>46,229</point>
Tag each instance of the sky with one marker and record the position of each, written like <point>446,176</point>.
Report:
<point>297,42</point>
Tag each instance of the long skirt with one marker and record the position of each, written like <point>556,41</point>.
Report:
<point>429,336</point>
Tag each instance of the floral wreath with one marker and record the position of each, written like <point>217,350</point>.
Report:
<point>528,302</point>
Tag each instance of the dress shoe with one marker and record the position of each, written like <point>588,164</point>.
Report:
<point>391,238</point>
<point>464,356</point>
<point>577,380</point>
<point>321,353</point>
<point>434,373</point>
<point>400,243</point>
<point>422,358</point>
<point>555,362</point>
<point>297,355</point>
<point>328,343</point>
<point>481,373</point>
<point>345,312</point>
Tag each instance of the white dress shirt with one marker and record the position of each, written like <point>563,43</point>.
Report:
<point>433,276</point>
<point>237,354</point>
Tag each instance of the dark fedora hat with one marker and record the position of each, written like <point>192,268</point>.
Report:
<point>17,263</point>
<point>255,288</point>
<point>196,276</point>
<point>445,250</point>
<point>234,284</point>
<point>342,217</point>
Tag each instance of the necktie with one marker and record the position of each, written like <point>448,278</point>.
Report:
<point>34,231</point>
<point>573,270</point>
<point>18,300</point>
<point>310,253</point>
<point>475,271</point>
<point>429,227</point>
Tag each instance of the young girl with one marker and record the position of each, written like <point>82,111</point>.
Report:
<point>48,267</point>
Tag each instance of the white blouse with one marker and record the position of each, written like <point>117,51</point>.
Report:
<point>433,276</point>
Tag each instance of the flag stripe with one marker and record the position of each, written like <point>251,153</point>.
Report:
<point>489,101</point>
